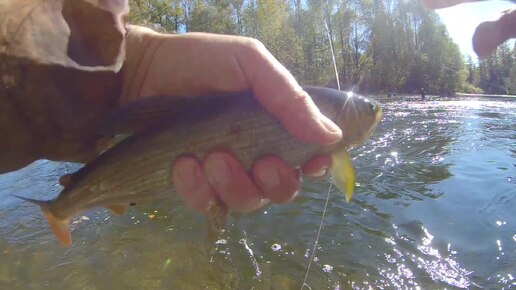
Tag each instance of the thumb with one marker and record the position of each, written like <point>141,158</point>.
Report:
<point>490,34</point>
<point>279,93</point>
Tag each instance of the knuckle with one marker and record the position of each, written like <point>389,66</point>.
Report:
<point>254,43</point>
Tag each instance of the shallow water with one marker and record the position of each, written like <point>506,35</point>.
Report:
<point>435,207</point>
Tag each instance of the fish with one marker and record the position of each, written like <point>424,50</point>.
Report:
<point>158,130</point>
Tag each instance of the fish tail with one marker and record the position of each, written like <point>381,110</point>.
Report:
<point>60,228</point>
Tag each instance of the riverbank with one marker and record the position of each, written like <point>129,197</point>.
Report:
<point>408,96</point>
<point>485,95</point>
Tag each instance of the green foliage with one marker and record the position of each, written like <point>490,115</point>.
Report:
<point>379,45</point>
<point>161,15</point>
<point>497,73</point>
<point>471,89</point>
<point>213,16</point>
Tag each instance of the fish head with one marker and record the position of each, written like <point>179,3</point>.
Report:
<point>356,116</point>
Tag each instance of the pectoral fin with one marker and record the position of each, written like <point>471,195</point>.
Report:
<point>342,172</point>
<point>61,228</point>
<point>117,209</point>
<point>217,214</point>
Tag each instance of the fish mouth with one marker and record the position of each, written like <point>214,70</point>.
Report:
<point>378,116</point>
<point>341,169</point>
<point>358,118</point>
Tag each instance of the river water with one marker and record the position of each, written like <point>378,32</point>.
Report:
<point>434,208</point>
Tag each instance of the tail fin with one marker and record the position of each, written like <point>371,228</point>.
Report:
<point>59,227</point>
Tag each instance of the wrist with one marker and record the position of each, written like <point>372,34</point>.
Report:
<point>141,44</point>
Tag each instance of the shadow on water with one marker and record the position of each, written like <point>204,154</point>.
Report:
<point>433,208</point>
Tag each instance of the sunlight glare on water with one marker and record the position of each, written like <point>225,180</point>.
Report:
<point>433,208</point>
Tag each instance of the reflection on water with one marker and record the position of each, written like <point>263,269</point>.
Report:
<point>434,208</point>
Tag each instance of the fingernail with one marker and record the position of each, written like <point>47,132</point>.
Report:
<point>263,202</point>
<point>320,173</point>
<point>270,178</point>
<point>189,174</point>
<point>220,171</point>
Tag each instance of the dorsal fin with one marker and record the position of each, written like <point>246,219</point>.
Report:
<point>117,209</point>
<point>149,112</point>
<point>140,114</point>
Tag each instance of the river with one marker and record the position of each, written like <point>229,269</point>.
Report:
<point>434,208</point>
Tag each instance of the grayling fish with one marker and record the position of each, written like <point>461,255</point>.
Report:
<point>138,168</point>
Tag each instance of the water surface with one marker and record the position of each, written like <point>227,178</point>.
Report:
<point>435,208</point>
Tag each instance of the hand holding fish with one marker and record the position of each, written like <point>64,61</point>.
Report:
<point>158,64</point>
<point>489,34</point>
<point>62,81</point>
<point>199,64</point>
<point>183,99</point>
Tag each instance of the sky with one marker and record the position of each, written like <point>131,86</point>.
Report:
<point>461,20</point>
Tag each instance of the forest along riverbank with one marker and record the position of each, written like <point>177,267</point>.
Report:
<point>389,46</point>
<point>485,95</point>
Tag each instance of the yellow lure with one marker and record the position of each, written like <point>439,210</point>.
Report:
<point>342,172</point>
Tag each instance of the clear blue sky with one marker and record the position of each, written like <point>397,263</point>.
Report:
<point>462,20</point>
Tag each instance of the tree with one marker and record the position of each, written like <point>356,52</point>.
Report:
<point>212,16</point>
<point>158,14</point>
<point>379,45</point>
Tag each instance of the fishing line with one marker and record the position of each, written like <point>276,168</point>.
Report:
<point>445,67</point>
<point>332,55</point>
<point>316,242</point>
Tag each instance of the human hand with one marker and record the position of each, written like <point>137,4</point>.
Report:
<point>196,64</point>
<point>489,34</point>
